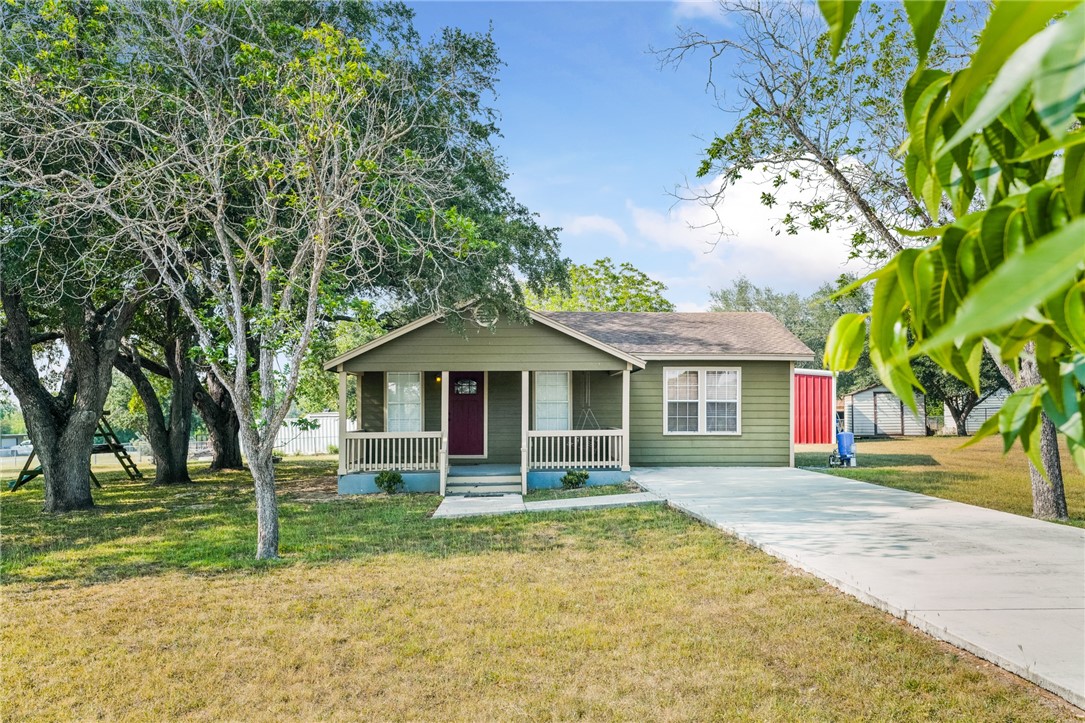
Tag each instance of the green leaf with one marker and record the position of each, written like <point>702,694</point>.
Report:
<point>1051,145</point>
<point>839,15</point>
<point>1011,25</point>
<point>1058,87</point>
<point>1020,283</point>
<point>925,17</point>
<point>845,343</point>
<point>1073,178</point>
<point>1026,64</point>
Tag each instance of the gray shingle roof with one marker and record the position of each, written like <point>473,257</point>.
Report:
<point>754,333</point>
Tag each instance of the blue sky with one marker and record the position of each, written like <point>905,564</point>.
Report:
<point>597,137</point>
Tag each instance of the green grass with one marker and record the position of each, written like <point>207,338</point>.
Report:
<point>938,466</point>
<point>151,607</point>
<point>596,491</point>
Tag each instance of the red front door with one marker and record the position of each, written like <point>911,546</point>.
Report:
<point>466,413</point>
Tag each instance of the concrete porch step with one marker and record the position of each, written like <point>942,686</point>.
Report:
<point>482,485</point>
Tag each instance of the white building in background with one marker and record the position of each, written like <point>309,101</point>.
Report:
<point>877,412</point>
<point>980,413</point>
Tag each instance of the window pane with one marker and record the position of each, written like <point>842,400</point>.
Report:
<point>404,401</point>
<point>551,400</point>
<point>682,416</point>
<point>721,416</point>
<point>721,386</point>
<point>682,385</point>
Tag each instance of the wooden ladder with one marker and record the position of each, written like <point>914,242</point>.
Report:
<point>105,431</point>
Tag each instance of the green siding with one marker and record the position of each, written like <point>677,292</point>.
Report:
<point>507,347</point>
<point>765,398</point>
<point>503,403</point>
<point>606,399</point>
<point>766,409</point>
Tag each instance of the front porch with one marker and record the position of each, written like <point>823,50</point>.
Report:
<point>471,431</point>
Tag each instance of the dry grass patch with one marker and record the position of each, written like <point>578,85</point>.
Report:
<point>151,608</point>
<point>937,466</point>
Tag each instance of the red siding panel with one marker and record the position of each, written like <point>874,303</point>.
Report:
<point>814,408</point>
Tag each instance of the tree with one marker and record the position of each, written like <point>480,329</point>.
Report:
<point>827,115</point>
<point>56,283</point>
<point>942,388</point>
<point>266,163</point>
<point>601,287</point>
<point>1010,275</point>
<point>168,426</point>
<point>807,318</point>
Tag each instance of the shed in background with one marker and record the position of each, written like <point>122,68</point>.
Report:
<point>980,413</point>
<point>815,407</point>
<point>877,412</point>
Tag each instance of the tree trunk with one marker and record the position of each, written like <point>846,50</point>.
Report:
<point>65,460</point>
<point>216,408</point>
<point>168,439</point>
<point>1048,495</point>
<point>61,426</point>
<point>267,505</point>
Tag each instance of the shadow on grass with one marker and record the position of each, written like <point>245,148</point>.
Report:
<point>817,459</point>
<point>210,527</point>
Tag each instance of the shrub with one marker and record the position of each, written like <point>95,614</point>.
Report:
<point>574,479</point>
<point>388,481</point>
<point>333,449</point>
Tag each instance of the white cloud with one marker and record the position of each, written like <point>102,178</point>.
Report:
<point>752,247</point>
<point>698,10</point>
<point>596,225</point>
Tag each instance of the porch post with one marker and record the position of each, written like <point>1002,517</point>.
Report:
<point>358,401</point>
<point>625,418</point>
<point>443,461</point>
<point>525,400</point>
<point>342,420</point>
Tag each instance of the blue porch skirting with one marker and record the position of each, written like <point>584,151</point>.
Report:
<point>364,483</point>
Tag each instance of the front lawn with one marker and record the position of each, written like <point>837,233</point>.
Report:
<point>151,608</point>
<point>977,475</point>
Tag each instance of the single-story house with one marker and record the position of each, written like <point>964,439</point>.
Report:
<point>987,408</point>
<point>877,412</point>
<point>517,405</point>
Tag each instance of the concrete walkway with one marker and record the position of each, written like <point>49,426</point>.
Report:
<point>468,506</point>
<point>1004,587</point>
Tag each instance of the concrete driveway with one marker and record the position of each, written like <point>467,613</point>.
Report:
<point>1007,588</point>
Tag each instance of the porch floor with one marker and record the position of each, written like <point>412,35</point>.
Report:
<point>484,470</point>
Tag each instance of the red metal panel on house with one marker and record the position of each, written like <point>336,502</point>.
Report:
<point>814,408</point>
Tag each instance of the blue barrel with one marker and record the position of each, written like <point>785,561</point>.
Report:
<point>845,444</point>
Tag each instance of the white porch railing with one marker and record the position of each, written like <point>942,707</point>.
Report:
<point>400,451</point>
<point>573,449</point>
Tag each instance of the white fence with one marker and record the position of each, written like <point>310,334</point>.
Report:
<point>575,449</point>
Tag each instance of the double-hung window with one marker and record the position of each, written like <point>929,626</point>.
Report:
<point>552,409</point>
<point>702,401</point>
<point>404,396</point>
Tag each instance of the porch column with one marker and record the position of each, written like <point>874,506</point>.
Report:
<point>525,401</point>
<point>443,461</point>
<point>342,420</point>
<point>625,418</point>
<point>358,401</point>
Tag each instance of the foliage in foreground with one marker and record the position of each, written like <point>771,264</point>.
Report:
<point>1002,135</point>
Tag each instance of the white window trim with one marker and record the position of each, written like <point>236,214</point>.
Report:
<point>421,400</point>
<point>485,419</point>
<point>702,405</point>
<point>535,398</point>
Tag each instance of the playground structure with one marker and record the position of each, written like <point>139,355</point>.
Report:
<point>108,443</point>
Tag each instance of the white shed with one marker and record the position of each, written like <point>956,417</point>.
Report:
<point>876,411</point>
<point>980,413</point>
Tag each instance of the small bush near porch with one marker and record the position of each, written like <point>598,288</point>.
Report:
<point>937,466</point>
<point>152,607</point>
